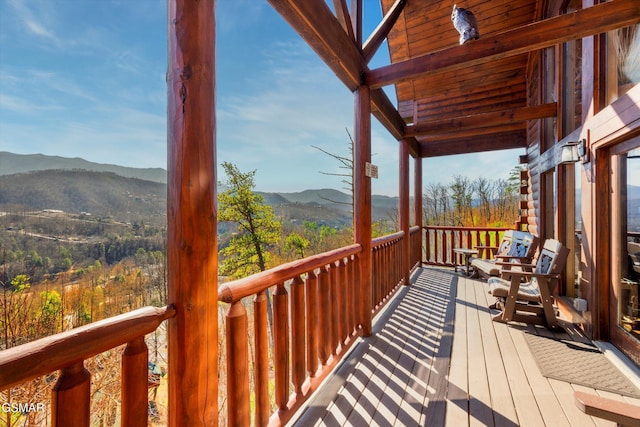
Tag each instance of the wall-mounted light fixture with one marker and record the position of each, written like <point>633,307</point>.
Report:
<point>573,152</point>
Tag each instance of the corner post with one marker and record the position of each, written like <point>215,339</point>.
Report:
<point>191,214</point>
<point>362,201</point>
<point>403,209</point>
<point>417,200</point>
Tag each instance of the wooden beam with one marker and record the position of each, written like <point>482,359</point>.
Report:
<point>382,30</point>
<point>538,35</point>
<point>317,25</point>
<point>483,120</point>
<point>192,251</point>
<point>342,13</point>
<point>356,20</point>
<point>492,142</point>
<point>473,132</point>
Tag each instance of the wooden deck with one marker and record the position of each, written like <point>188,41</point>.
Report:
<point>437,359</point>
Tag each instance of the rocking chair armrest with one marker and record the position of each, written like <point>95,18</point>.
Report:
<point>516,257</point>
<point>516,264</point>
<point>545,276</point>
<point>625,414</point>
<point>485,247</point>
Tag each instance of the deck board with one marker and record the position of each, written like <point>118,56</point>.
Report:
<point>436,358</point>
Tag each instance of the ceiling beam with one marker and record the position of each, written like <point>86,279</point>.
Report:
<point>492,142</point>
<point>470,134</point>
<point>381,32</point>
<point>388,116</point>
<point>342,13</point>
<point>538,35</point>
<point>317,25</point>
<point>482,120</point>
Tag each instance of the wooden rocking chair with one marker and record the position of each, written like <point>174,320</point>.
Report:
<point>530,301</point>
<point>516,246</point>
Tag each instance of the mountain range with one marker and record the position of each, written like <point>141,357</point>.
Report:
<point>75,185</point>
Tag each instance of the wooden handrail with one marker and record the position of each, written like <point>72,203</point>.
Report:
<point>236,290</point>
<point>379,241</point>
<point>50,354</point>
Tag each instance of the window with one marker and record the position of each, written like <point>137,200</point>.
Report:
<point>623,61</point>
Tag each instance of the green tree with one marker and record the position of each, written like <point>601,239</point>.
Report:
<point>50,311</point>
<point>258,228</point>
<point>297,243</point>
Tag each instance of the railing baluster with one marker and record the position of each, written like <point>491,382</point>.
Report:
<point>344,300</point>
<point>237,365</point>
<point>298,337</point>
<point>261,328</point>
<point>135,384</point>
<point>323,329</point>
<point>71,397</point>
<point>281,345</point>
<point>312,323</point>
<point>350,308</point>
<point>335,312</point>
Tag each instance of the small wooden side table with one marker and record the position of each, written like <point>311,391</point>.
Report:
<point>466,258</point>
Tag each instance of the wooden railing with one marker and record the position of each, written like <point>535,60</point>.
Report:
<point>321,296</point>
<point>387,267</point>
<point>415,256</point>
<point>316,304</point>
<point>67,351</point>
<point>440,241</point>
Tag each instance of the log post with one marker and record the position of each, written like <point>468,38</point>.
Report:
<point>403,211</point>
<point>362,201</point>
<point>281,345</point>
<point>135,384</point>
<point>237,366</point>
<point>312,301</point>
<point>298,338</point>
<point>323,328</point>
<point>417,200</point>
<point>71,398</point>
<point>262,359</point>
<point>191,214</point>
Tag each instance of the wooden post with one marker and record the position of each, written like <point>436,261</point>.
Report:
<point>135,384</point>
<point>312,302</point>
<point>71,399</point>
<point>403,210</point>
<point>362,199</point>
<point>238,408</point>
<point>281,345</point>
<point>191,214</point>
<point>417,200</point>
<point>298,337</point>
<point>262,359</point>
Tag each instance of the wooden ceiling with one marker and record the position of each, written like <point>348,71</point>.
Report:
<point>451,99</point>
<point>437,105</point>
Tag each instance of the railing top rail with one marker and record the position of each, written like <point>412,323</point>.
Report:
<point>49,354</point>
<point>446,227</point>
<point>378,241</point>
<point>414,229</point>
<point>236,290</point>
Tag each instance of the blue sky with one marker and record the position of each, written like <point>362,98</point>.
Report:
<point>86,78</point>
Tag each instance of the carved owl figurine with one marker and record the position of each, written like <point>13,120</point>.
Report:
<point>465,22</point>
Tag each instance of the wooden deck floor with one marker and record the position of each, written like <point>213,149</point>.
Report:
<point>437,359</point>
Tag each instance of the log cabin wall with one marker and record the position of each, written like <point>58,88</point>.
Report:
<point>533,145</point>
